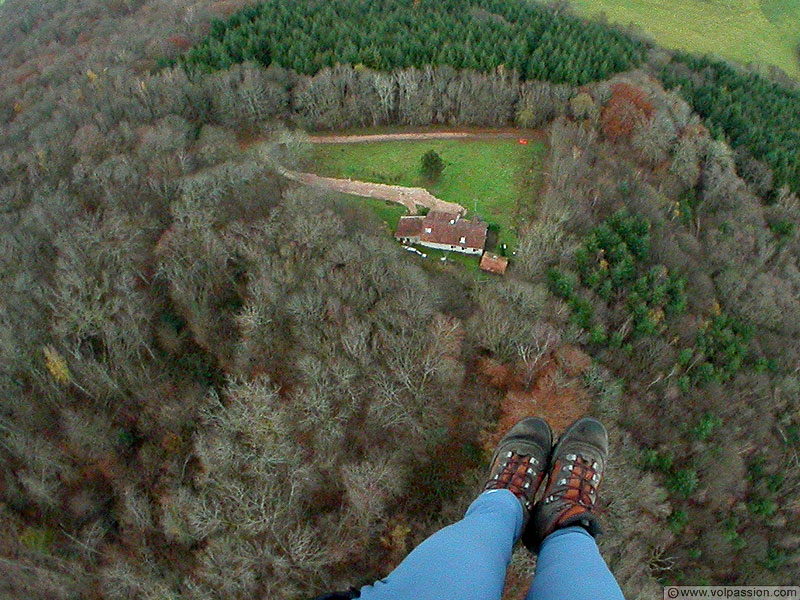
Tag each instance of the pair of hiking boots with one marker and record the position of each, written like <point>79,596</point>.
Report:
<point>567,474</point>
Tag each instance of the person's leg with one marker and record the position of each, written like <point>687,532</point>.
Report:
<point>569,567</point>
<point>463,561</point>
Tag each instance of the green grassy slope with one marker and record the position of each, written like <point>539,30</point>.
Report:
<point>760,31</point>
<point>388,212</point>
<point>500,177</point>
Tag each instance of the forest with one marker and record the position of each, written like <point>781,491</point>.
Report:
<point>757,116</point>
<point>523,37</point>
<point>219,384</point>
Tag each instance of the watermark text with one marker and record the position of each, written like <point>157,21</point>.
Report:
<point>686,592</point>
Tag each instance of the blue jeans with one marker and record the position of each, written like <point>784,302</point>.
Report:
<point>468,560</point>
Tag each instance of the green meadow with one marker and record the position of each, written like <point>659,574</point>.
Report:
<point>766,32</point>
<point>496,179</point>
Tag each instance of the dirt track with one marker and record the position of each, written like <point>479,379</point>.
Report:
<point>430,135</point>
<point>410,197</point>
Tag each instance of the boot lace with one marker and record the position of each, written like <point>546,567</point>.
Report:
<point>575,482</point>
<point>517,474</point>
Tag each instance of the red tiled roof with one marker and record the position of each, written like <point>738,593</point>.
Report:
<point>440,216</point>
<point>409,227</point>
<point>450,229</point>
<point>493,263</point>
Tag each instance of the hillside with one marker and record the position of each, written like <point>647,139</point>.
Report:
<point>518,40</point>
<point>219,382</point>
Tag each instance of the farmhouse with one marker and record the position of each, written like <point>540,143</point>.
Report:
<point>443,231</point>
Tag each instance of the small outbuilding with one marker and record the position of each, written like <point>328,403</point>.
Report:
<point>494,263</point>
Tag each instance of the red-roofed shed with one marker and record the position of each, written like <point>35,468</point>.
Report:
<point>494,263</point>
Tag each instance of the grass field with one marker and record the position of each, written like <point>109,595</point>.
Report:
<point>759,31</point>
<point>388,212</point>
<point>499,178</point>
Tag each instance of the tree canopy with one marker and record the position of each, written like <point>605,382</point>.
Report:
<point>309,35</point>
<point>431,165</point>
<point>750,110</point>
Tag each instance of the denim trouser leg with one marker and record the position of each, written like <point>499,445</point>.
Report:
<point>570,567</point>
<point>468,561</point>
<point>464,561</point>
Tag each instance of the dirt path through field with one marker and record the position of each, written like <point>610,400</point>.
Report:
<point>410,197</point>
<point>427,135</point>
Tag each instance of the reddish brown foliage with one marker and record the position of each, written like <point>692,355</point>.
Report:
<point>180,41</point>
<point>695,130</point>
<point>627,107</point>
<point>23,77</point>
<point>557,394</point>
<point>226,8</point>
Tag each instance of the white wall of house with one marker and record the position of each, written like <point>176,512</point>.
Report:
<point>451,248</point>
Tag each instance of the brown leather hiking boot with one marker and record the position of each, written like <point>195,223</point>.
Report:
<point>576,468</point>
<point>520,462</point>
